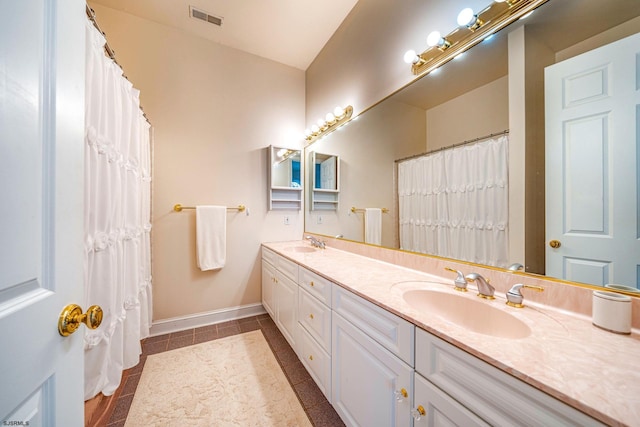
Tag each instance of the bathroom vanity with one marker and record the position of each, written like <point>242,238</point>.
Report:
<point>375,339</point>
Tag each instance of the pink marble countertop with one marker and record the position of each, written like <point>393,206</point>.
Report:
<point>565,356</point>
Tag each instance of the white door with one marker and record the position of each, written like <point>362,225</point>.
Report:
<point>42,64</point>
<point>592,131</point>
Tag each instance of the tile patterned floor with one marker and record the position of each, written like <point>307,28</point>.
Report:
<point>319,410</point>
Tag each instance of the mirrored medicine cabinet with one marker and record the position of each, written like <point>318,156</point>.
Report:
<point>285,178</point>
<point>324,173</point>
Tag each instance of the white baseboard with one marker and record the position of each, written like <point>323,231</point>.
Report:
<point>176,324</point>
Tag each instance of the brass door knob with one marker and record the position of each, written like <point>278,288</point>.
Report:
<point>71,317</point>
<point>555,244</point>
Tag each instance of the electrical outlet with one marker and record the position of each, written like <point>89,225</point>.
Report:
<point>286,220</point>
<point>319,219</point>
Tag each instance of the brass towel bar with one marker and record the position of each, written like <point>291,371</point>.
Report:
<point>179,208</point>
<point>354,210</point>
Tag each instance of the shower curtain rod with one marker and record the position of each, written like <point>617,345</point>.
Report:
<point>91,14</point>
<point>459,144</point>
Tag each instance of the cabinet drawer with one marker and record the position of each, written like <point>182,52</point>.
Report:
<point>287,268</point>
<point>440,409</point>
<point>269,256</point>
<point>493,395</point>
<point>316,285</point>
<point>315,317</point>
<point>391,331</point>
<point>317,361</point>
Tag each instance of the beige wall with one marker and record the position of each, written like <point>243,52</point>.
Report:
<point>443,121</point>
<point>214,111</point>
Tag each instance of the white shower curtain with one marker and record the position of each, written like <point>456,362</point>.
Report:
<point>117,220</point>
<point>454,203</point>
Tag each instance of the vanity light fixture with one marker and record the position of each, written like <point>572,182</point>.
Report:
<point>411,57</point>
<point>526,15</point>
<point>284,154</point>
<point>435,39</point>
<point>466,18</point>
<point>331,122</point>
<point>488,21</point>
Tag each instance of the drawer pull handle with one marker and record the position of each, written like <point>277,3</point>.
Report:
<point>401,394</point>
<point>311,357</point>
<point>311,283</point>
<point>311,316</point>
<point>418,412</point>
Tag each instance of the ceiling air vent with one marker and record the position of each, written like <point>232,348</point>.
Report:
<point>204,16</point>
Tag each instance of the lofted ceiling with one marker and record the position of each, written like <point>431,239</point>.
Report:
<point>291,32</point>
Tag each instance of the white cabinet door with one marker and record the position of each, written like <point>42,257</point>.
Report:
<point>365,378</point>
<point>434,408</point>
<point>268,286</point>
<point>286,294</point>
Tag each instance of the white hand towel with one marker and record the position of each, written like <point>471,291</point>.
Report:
<point>373,226</point>
<point>211,237</point>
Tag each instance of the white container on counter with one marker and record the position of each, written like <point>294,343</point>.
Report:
<point>612,312</point>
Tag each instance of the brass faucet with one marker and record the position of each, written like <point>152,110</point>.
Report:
<point>515,267</point>
<point>315,242</point>
<point>485,290</point>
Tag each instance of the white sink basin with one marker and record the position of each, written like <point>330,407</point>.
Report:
<point>475,315</point>
<point>300,249</point>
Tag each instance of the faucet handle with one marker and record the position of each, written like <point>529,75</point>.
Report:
<point>460,282</point>
<point>514,296</point>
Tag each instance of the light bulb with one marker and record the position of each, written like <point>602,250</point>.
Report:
<point>321,123</point>
<point>315,129</point>
<point>434,38</point>
<point>307,133</point>
<point>466,17</point>
<point>410,57</point>
<point>338,111</point>
<point>282,152</point>
<point>330,118</point>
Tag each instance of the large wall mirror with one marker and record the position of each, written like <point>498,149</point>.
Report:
<point>496,87</point>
